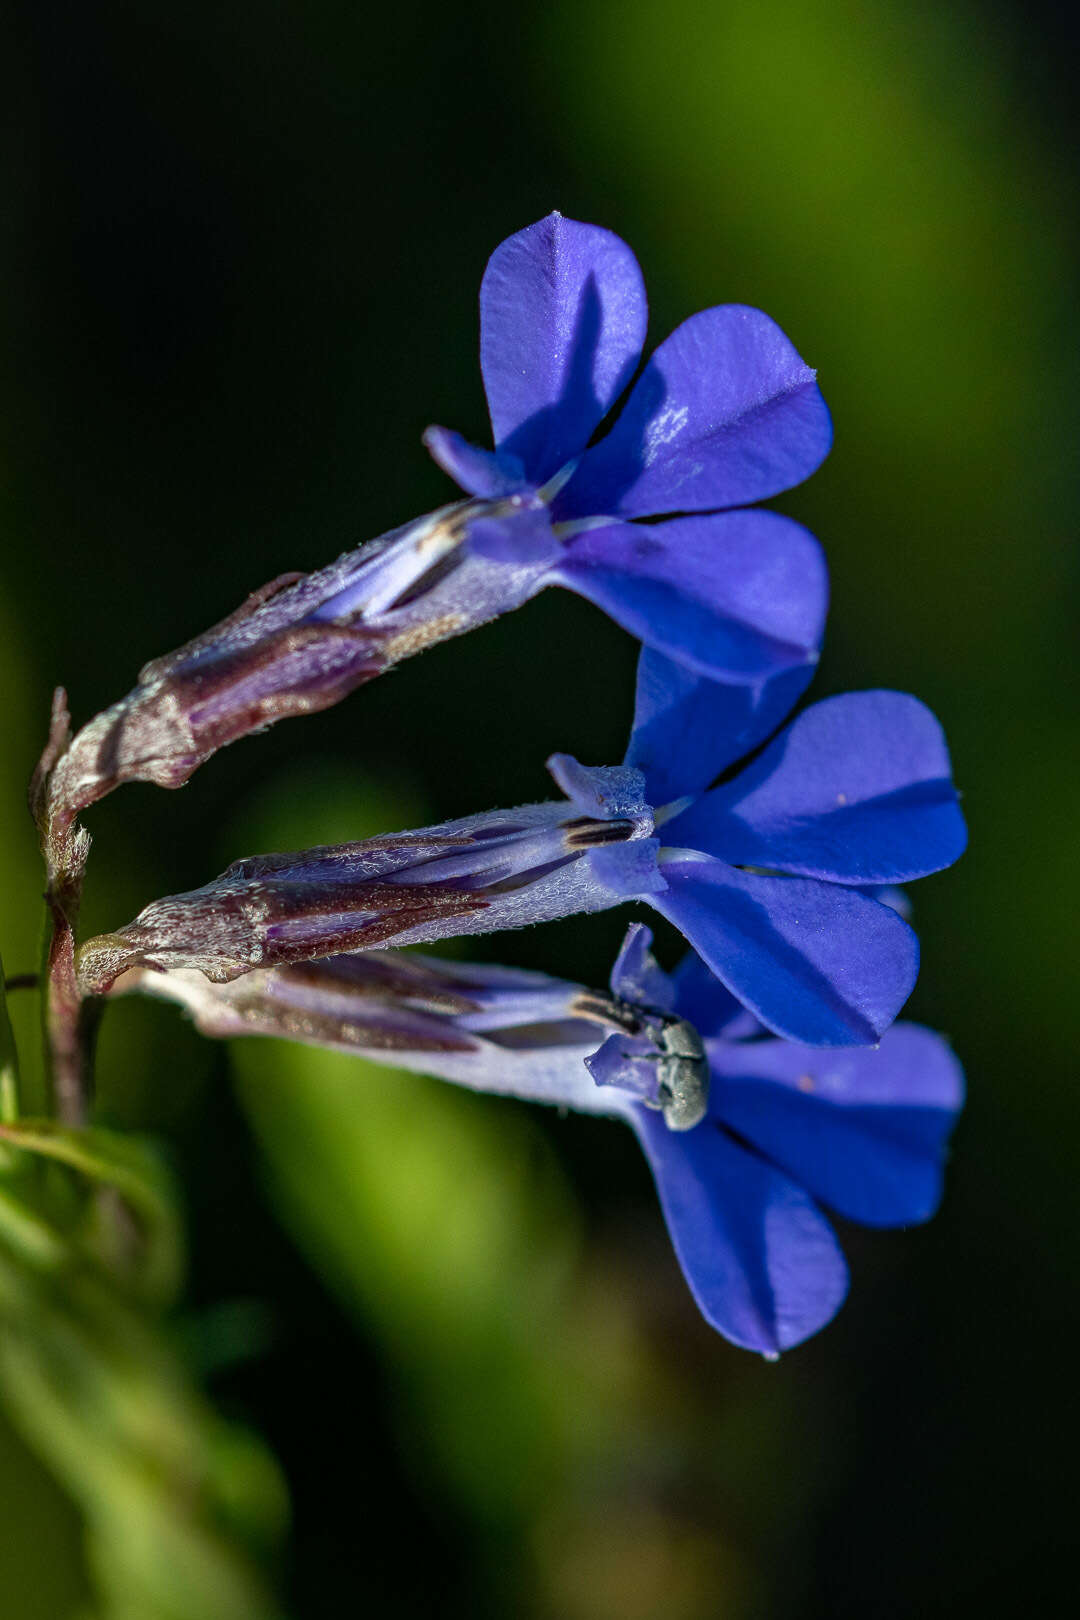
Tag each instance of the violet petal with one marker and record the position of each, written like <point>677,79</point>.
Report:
<point>864,1131</point>
<point>562,322</point>
<point>856,790</point>
<point>724,414</point>
<point>815,962</point>
<point>738,596</point>
<point>761,1259</point>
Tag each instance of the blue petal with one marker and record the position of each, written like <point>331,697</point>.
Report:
<point>623,872</point>
<point>703,1001</point>
<point>608,792</point>
<point>738,596</point>
<point>638,977</point>
<point>627,1063</point>
<point>489,474</point>
<point>815,962</point>
<point>562,322</point>
<point>864,1131</point>
<point>762,1261</point>
<point>687,728</point>
<point>521,540</point>
<point>856,790</point>
<point>724,414</point>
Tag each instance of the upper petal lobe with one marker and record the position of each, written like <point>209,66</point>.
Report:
<point>724,414</point>
<point>490,474</point>
<point>562,323</point>
<point>856,790</point>
<point>689,727</point>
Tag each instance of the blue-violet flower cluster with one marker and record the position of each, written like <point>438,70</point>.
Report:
<point>765,1077</point>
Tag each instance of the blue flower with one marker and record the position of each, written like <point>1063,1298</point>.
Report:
<point>787,1127</point>
<point>724,413</point>
<point>770,875</point>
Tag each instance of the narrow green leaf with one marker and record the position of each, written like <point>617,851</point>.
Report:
<point>134,1171</point>
<point>181,1507</point>
<point>28,1236</point>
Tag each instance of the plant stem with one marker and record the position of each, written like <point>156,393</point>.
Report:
<point>62,1022</point>
<point>65,1025</point>
<point>9,1063</point>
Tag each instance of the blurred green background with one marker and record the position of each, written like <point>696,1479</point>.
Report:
<point>239,253</point>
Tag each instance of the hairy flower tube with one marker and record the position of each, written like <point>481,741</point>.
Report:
<point>786,1127</point>
<point>724,414</point>
<point>766,875</point>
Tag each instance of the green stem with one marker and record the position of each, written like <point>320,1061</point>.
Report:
<point>9,1063</point>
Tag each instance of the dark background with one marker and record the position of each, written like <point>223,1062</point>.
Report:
<point>239,253</point>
